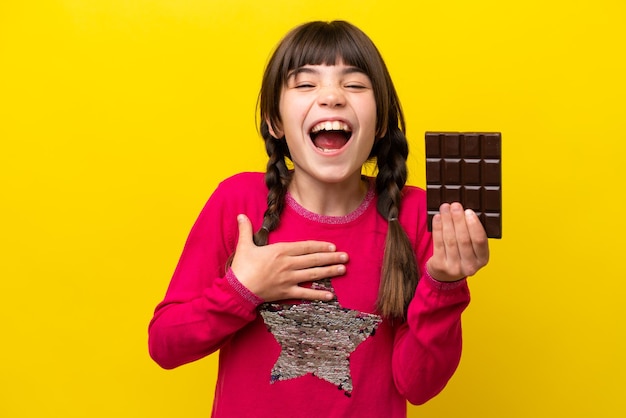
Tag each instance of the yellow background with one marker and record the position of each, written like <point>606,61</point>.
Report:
<point>118,118</point>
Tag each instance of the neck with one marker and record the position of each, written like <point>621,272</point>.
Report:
<point>329,199</point>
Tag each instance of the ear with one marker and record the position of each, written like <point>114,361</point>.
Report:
<point>275,132</point>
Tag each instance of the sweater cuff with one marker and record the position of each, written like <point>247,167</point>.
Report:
<point>439,285</point>
<point>241,290</point>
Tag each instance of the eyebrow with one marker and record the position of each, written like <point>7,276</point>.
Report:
<point>309,70</point>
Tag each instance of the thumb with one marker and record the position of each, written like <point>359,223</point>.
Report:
<point>245,230</point>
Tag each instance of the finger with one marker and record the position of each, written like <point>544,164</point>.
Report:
<point>478,236</point>
<point>318,273</point>
<point>463,240</point>
<point>245,230</point>
<point>307,261</point>
<point>437,235</point>
<point>306,247</point>
<point>449,234</point>
<point>311,294</point>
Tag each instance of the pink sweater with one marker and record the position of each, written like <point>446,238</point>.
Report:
<point>320,359</point>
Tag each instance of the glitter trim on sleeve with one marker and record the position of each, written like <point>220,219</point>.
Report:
<point>439,285</point>
<point>241,290</point>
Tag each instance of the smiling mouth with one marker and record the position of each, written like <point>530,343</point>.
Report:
<point>330,136</point>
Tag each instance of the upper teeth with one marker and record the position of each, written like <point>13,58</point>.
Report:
<point>331,126</point>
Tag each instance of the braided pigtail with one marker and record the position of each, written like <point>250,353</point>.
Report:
<point>277,178</point>
<point>399,272</point>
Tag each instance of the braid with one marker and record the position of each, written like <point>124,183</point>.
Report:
<point>399,273</point>
<point>277,178</point>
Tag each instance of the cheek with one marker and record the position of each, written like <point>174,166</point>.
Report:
<point>371,119</point>
<point>369,111</point>
<point>292,114</point>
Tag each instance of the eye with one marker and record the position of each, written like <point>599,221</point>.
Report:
<point>357,81</point>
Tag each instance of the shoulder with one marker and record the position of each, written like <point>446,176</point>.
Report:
<point>413,212</point>
<point>241,193</point>
<point>238,190</point>
<point>246,179</point>
<point>241,185</point>
<point>413,195</point>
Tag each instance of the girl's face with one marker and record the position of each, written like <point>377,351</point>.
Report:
<point>328,117</point>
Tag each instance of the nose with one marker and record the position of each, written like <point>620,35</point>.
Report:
<point>331,96</point>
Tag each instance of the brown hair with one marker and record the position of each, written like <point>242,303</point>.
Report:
<point>322,43</point>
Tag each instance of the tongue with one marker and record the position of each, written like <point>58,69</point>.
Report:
<point>330,140</point>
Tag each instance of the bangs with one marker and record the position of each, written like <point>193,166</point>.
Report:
<point>328,43</point>
<point>325,43</point>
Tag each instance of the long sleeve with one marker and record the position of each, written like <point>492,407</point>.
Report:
<point>184,331</point>
<point>427,347</point>
<point>204,304</point>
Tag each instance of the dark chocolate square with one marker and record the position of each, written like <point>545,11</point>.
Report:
<point>466,167</point>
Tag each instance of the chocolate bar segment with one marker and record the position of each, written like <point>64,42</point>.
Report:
<point>466,167</point>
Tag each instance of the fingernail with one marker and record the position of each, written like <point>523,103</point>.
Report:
<point>241,218</point>
<point>332,247</point>
<point>341,269</point>
<point>469,213</point>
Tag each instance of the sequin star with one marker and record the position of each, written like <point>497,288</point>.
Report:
<point>318,338</point>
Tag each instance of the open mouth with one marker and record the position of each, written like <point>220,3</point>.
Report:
<point>330,136</point>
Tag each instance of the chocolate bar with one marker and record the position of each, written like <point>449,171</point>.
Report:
<point>466,167</point>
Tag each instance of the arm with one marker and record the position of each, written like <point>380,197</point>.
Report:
<point>183,331</point>
<point>427,347</point>
<point>204,304</point>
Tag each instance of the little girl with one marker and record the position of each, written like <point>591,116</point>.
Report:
<point>341,304</point>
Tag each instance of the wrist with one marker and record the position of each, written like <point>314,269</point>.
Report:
<point>441,285</point>
<point>241,289</point>
<point>441,276</point>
